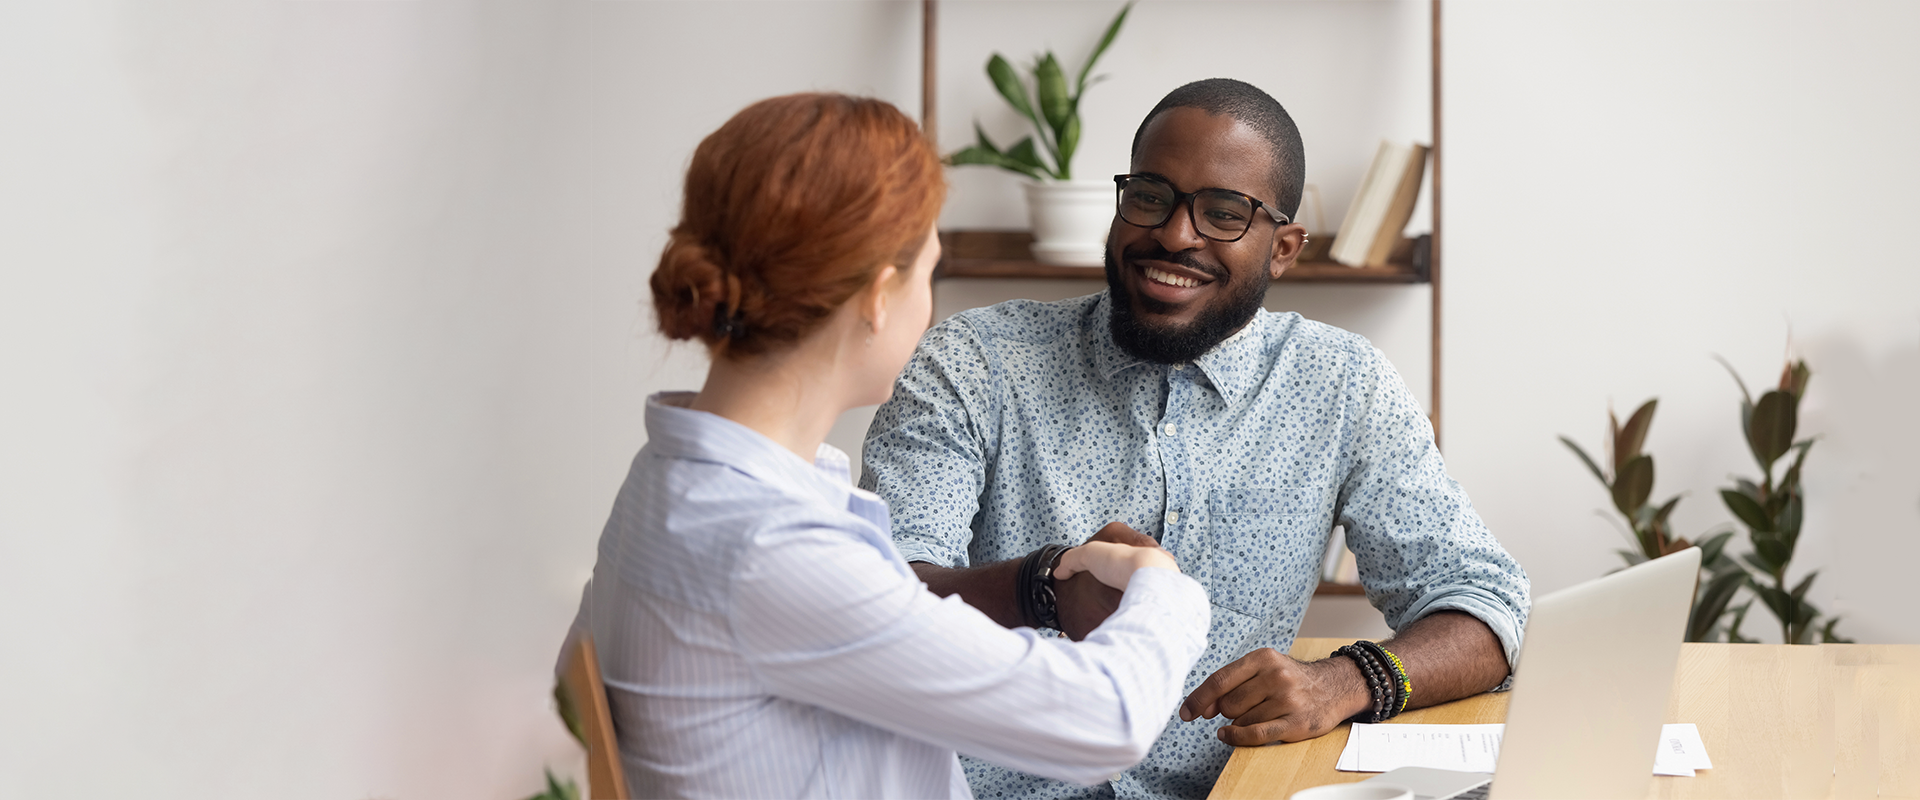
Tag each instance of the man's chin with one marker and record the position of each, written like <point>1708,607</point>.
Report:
<point>1147,328</point>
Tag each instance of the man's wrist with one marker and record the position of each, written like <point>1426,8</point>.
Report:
<point>1351,696</point>
<point>1033,587</point>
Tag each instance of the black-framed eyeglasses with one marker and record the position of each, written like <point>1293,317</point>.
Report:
<point>1222,215</point>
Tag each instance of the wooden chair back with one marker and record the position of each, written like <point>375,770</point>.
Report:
<point>605,778</point>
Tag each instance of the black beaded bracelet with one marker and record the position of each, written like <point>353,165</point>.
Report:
<point>1381,686</point>
<point>1035,586</point>
<point>1396,673</point>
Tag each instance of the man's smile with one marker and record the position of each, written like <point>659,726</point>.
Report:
<point>1170,278</point>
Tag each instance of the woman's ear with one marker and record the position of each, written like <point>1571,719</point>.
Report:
<point>874,300</point>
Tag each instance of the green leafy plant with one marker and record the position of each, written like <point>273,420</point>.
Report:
<point>557,790</point>
<point>1772,512</point>
<point>1629,482</point>
<point>1055,116</point>
<point>569,716</point>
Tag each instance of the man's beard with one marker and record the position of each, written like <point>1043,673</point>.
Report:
<point>1177,344</point>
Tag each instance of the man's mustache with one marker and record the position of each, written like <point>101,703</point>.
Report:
<point>1184,258</point>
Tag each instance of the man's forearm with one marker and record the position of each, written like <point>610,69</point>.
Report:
<point>1449,655</point>
<point>988,588</point>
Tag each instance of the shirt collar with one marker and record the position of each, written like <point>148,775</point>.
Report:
<point>1231,365</point>
<point>1234,365</point>
<point>676,431</point>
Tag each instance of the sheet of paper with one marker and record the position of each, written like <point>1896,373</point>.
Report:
<point>1379,748</point>
<point>1476,748</point>
<point>1681,751</point>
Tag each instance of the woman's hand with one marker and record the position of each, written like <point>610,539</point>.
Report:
<point>1113,564</point>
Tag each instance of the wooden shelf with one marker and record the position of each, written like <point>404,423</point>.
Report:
<point>1003,254</point>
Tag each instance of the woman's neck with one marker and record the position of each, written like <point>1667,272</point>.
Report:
<point>792,397</point>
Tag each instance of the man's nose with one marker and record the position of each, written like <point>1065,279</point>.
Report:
<point>1178,234</point>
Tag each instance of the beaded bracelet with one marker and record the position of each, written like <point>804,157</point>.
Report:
<point>1390,663</point>
<point>1380,685</point>
<point>1400,669</point>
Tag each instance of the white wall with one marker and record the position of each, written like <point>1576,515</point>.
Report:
<point>1631,188</point>
<point>325,336</point>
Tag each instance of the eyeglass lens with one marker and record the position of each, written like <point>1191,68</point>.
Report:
<point>1216,213</point>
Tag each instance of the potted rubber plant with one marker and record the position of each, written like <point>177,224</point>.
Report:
<point>1070,216</point>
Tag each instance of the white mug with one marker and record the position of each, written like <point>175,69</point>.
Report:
<point>1368,790</point>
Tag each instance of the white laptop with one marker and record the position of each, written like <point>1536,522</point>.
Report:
<point>1596,668</point>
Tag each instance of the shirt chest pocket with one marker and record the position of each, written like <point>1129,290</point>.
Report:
<point>1264,550</point>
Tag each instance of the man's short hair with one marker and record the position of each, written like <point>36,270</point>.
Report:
<point>1259,111</point>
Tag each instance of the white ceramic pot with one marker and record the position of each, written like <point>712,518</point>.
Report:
<point>1070,221</point>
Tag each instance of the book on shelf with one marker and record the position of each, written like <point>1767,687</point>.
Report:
<point>1337,565</point>
<point>1382,206</point>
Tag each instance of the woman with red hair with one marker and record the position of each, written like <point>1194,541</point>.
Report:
<point>758,632</point>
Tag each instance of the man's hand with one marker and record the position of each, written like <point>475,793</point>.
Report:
<point>1082,601</point>
<point>1272,698</point>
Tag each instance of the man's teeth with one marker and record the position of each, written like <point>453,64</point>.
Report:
<point>1170,278</point>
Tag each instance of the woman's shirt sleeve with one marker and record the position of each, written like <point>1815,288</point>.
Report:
<point>830,620</point>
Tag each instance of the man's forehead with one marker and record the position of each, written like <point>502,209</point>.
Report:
<point>1189,144</point>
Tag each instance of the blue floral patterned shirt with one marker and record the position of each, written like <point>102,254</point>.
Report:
<point>1023,424</point>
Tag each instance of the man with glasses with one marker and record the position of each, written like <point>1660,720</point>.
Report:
<point>1173,409</point>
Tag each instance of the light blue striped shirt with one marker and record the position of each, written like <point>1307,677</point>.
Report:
<point>1023,424</point>
<point>761,637</point>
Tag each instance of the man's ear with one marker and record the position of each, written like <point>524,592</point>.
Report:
<point>873,300</point>
<point>1288,241</point>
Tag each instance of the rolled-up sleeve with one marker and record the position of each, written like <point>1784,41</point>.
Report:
<point>1420,546</point>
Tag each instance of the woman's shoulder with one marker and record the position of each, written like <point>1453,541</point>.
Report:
<point>684,528</point>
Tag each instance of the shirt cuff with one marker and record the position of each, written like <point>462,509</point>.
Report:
<point>1490,610</point>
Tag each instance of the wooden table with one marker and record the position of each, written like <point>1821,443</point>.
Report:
<point>1778,721</point>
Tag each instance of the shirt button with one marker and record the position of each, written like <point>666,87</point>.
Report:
<point>1178,367</point>
<point>1171,429</point>
<point>1173,518</point>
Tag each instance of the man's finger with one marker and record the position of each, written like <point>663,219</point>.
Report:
<point>1241,700</point>
<point>1270,709</point>
<point>1284,729</point>
<point>1122,533</point>
<point>1205,697</point>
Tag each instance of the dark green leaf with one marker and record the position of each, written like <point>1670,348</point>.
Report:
<point>1069,141</point>
<point>1733,628</point>
<point>1633,484</point>
<point>1800,589</point>
<point>1023,152</point>
<point>1007,82</point>
<point>1711,547</point>
<point>1829,636</point>
<point>1634,434</point>
<point>563,704</point>
<point>1666,510</point>
<point>1748,488</point>
<point>975,155</point>
<point>1788,522</point>
<point>1760,563</point>
<point>1585,459</point>
<point>1790,482</point>
<point>1712,605</point>
<point>1106,40</point>
<point>1783,605</point>
<point>980,139</point>
<point>1771,550</point>
<point>1746,510</point>
<point>1770,431</point>
<point>1744,395</point>
<point>1631,557</point>
<point>1056,103</point>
